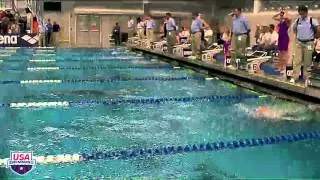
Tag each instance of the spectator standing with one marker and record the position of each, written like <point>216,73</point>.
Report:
<point>55,34</point>
<point>196,33</point>
<point>283,40</point>
<point>150,26</point>
<point>42,33</point>
<point>49,29</point>
<point>29,20</point>
<point>130,27</point>
<point>305,28</point>
<point>171,32</point>
<point>35,25</point>
<point>140,28</point>
<point>116,34</point>
<point>226,37</point>
<point>240,33</point>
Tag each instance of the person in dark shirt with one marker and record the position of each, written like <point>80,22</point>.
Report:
<point>116,34</point>
<point>55,34</point>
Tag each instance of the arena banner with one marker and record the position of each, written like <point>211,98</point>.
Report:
<point>19,40</point>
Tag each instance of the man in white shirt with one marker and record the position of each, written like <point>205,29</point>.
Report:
<point>130,27</point>
<point>265,40</point>
<point>274,38</point>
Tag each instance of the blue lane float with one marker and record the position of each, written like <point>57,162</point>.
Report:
<point>202,147</point>
<point>108,80</point>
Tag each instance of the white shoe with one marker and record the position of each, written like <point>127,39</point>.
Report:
<point>307,83</point>
<point>292,81</point>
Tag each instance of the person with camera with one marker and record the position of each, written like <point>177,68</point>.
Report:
<point>240,33</point>
<point>283,40</point>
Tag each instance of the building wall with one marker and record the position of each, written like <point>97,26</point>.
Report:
<point>66,20</point>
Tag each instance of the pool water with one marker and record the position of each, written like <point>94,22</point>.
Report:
<point>86,128</point>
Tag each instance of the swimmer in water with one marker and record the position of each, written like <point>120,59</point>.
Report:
<point>289,113</point>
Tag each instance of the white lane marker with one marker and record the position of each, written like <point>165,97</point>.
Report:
<point>42,68</point>
<point>42,60</point>
<point>44,54</point>
<point>176,67</point>
<point>208,79</point>
<point>263,96</point>
<point>40,81</point>
<point>39,104</point>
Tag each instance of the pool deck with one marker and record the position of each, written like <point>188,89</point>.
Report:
<point>258,82</point>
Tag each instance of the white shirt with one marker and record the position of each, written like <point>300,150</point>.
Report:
<point>130,24</point>
<point>274,38</point>
<point>266,39</point>
<point>140,25</point>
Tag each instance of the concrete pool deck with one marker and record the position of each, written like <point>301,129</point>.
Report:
<point>258,82</point>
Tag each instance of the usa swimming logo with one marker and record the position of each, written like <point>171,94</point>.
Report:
<point>21,163</point>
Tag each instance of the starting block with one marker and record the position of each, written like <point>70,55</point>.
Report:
<point>315,77</point>
<point>133,40</point>
<point>208,55</point>
<point>253,61</point>
<point>182,50</point>
<point>159,46</point>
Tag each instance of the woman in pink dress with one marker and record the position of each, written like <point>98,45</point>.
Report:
<point>283,41</point>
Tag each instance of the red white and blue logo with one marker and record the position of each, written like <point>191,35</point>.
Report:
<point>21,163</point>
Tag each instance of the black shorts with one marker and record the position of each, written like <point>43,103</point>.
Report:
<point>315,57</point>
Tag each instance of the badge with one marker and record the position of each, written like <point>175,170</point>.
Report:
<point>21,163</point>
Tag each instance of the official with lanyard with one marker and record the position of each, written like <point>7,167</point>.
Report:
<point>240,33</point>
<point>171,32</point>
<point>196,28</point>
<point>305,29</point>
<point>150,25</point>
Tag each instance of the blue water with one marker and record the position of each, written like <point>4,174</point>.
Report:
<point>59,130</point>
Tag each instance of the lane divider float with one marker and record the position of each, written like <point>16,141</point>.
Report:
<point>42,60</point>
<point>39,104</point>
<point>162,100</point>
<point>44,54</point>
<point>125,154</point>
<point>108,80</point>
<point>42,68</point>
<point>40,81</point>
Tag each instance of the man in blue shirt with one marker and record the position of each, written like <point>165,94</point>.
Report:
<point>49,29</point>
<point>150,25</point>
<point>305,29</point>
<point>196,28</point>
<point>171,32</point>
<point>240,33</point>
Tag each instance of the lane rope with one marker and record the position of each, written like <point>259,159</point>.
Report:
<point>107,80</point>
<point>88,68</point>
<point>126,101</point>
<point>125,154</point>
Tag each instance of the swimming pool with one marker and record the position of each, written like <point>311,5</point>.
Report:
<point>119,100</point>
